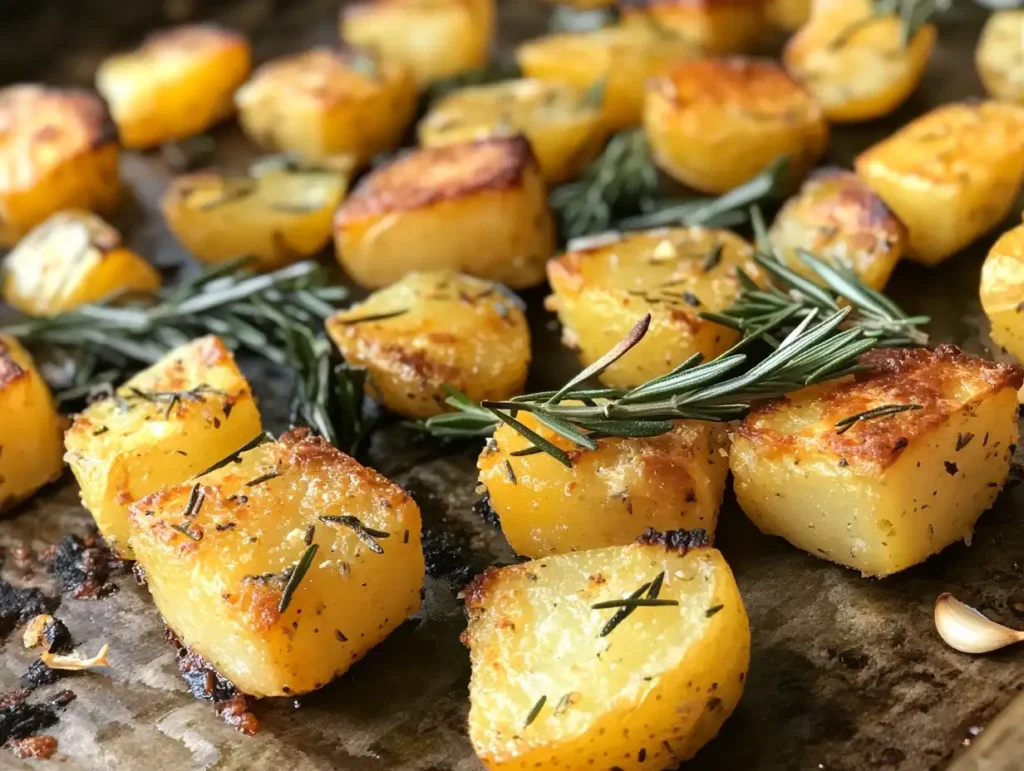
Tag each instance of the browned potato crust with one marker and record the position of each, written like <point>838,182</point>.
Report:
<point>723,26</point>
<point>479,208</point>
<point>58,150</point>
<point>715,123</point>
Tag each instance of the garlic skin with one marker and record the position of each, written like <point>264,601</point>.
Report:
<point>965,629</point>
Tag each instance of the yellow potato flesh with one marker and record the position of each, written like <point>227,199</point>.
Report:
<point>854,62</point>
<point>1000,55</point>
<point>435,39</point>
<point>435,329</point>
<point>1002,291</point>
<point>648,695</point>
<point>950,176</point>
<point>219,576</point>
<point>277,218</point>
<point>178,83</point>
<point>611,495</point>
<point>71,259</point>
<point>601,292</point>
<point>891,491</point>
<point>143,439</point>
<point>622,56</point>
<point>31,429</point>
<point>565,132</point>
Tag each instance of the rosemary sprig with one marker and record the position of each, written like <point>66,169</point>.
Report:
<point>296,575</point>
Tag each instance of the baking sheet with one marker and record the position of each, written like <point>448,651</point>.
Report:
<point>846,673</point>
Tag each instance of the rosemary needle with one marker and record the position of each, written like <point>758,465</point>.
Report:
<point>296,576</point>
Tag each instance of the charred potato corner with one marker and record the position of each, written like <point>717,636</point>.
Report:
<point>564,302</point>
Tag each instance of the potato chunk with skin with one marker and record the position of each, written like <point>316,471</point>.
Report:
<point>836,216</point>
<point>1002,291</point>
<point>623,56</point>
<point>178,83</point>
<point>58,150</point>
<point>170,421</point>
<point>278,217</point>
<point>435,39</point>
<point>565,131</point>
<point>548,690</point>
<point>601,292</point>
<point>890,491</point>
<point>480,208</point>
<point>610,495</point>
<point>323,102</point>
<point>854,63</point>
<point>713,124</point>
<point>721,26</point>
<point>1000,55</point>
<point>434,329</point>
<point>223,555</point>
<point>31,429</point>
<point>73,258</point>
<point>950,176</point>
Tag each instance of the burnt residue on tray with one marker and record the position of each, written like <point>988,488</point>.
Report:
<point>207,684</point>
<point>18,605</point>
<point>20,720</point>
<point>38,674</point>
<point>483,509</point>
<point>83,567</point>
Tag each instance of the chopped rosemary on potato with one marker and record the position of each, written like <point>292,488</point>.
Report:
<point>844,425</point>
<point>296,575</point>
<point>365,534</point>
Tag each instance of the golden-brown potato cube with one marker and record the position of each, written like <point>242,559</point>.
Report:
<point>1000,55</point>
<point>601,292</point>
<point>622,57</point>
<point>323,102</point>
<point>715,123</point>
<point>564,129</point>
<point>950,176</point>
<point>72,258</point>
<point>178,83</point>
<point>853,60</point>
<point>58,150</point>
<point>836,216</point>
<point>435,39</point>
<point>558,682</point>
<point>1002,291</point>
<point>285,567</point>
<point>610,495</point>
<point>788,15</point>
<point>31,429</point>
<point>278,217</point>
<point>480,208</point>
<point>886,492</point>
<point>436,329</point>
<point>170,421</point>
<point>723,26</point>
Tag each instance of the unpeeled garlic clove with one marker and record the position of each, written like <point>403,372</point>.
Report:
<point>965,629</point>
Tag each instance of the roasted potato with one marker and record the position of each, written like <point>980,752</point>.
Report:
<point>722,26</point>
<point>601,292</point>
<point>435,39</point>
<point>278,217</point>
<point>178,83</point>
<point>610,495</point>
<point>788,15</point>
<point>72,258</point>
<point>285,567</point>
<point>563,124</point>
<point>950,176</point>
<point>853,60</point>
<point>436,329</point>
<point>1000,55</point>
<point>713,124</point>
<point>584,5</point>
<point>58,150</point>
<point>621,57</point>
<point>323,102</point>
<point>1002,291</point>
<point>31,429</point>
<point>836,216</point>
<point>886,492</point>
<point>556,684</point>
<point>187,411</point>
<point>480,208</point>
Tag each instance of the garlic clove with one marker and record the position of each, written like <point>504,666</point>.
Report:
<point>965,629</point>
